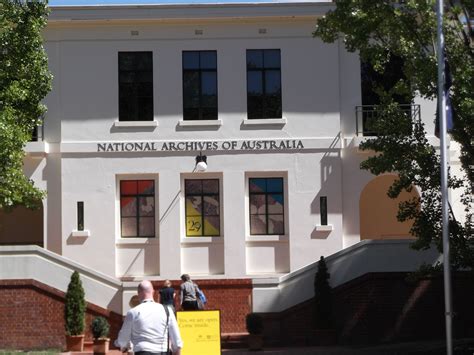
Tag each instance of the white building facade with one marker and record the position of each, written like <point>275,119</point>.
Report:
<point>140,91</point>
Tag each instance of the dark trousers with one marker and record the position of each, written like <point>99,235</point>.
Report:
<point>190,306</point>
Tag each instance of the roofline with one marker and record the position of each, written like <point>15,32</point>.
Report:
<point>170,12</point>
<point>190,5</point>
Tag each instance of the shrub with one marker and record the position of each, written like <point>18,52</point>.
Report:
<point>75,306</point>
<point>254,323</point>
<point>100,328</point>
<point>322,297</point>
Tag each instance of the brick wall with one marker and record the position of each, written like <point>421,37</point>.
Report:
<point>32,313</point>
<point>32,316</point>
<point>379,308</point>
<point>231,296</point>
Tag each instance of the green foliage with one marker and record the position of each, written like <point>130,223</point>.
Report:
<point>24,82</point>
<point>379,30</point>
<point>322,297</point>
<point>254,323</point>
<point>75,306</point>
<point>100,327</point>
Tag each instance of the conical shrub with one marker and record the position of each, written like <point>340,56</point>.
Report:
<point>322,297</point>
<point>75,306</point>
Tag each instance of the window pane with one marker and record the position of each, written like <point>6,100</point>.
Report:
<point>254,82</point>
<point>272,58</point>
<point>211,225</point>
<point>254,58</point>
<point>275,185</point>
<point>193,205</point>
<point>147,227</point>
<point>128,187</point>
<point>129,227</point>
<point>191,60</point>
<point>257,204</point>
<point>272,82</point>
<point>258,224</point>
<point>190,114</point>
<point>190,85</point>
<point>126,60</point>
<point>146,187</point>
<point>275,203</point>
<point>144,109</point>
<point>193,186</point>
<point>127,77</point>
<point>255,107</point>
<point>211,205</point>
<point>209,113</point>
<point>147,206</point>
<point>257,185</point>
<point>210,186</point>
<point>208,60</point>
<point>128,206</point>
<point>209,83</point>
<point>144,61</point>
<point>272,107</point>
<point>275,224</point>
<point>193,226</point>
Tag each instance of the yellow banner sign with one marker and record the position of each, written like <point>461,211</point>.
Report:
<point>201,332</point>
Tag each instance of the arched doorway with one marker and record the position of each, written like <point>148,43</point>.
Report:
<point>21,226</point>
<point>378,212</point>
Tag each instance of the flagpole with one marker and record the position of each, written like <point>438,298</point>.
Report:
<point>444,178</point>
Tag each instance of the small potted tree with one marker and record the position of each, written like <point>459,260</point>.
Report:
<point>254,324</point>
<point>74,314</point>
<point>324,331</point>
<point>100,331</point>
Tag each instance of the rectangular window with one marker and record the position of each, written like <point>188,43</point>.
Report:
<point>202,207</point>
<point>323,206</point>
<point>135,86</point>
<point>263,83</point>
<point>199,85</point>
<point>266,200</point>
<point>80,215</point>
<point>137,208</point>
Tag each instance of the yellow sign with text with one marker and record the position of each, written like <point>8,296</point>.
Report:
<point>200,331</point>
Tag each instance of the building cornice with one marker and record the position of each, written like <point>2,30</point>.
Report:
<point>177,12</point>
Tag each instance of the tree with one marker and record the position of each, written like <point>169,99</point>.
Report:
<point>322,297</point>
<point>24,82</point>
<point>380,31</point>
<point>75,306</point>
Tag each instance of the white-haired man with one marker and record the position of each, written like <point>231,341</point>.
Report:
<point>148,326</point>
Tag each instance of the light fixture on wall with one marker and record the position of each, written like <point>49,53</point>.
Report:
<point>201,163</point>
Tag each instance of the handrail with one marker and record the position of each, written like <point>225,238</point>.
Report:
<point>367,114</point>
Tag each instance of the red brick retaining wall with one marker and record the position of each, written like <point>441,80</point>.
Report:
<point>32,316</point>
<point>379,308</point>
<point>231,296</point>
<point>32,313</point>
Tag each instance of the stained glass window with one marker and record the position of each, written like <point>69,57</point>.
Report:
<point>266,199</point>
<point>202,207</point>
<point>137,208</point>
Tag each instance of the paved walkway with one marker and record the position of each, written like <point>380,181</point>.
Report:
<point>462,347</point>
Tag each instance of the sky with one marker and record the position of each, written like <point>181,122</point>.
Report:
<point>135,2</point>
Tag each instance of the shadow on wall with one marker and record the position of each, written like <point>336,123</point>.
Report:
<point>378,212</point>
<point>21,226</point>
<point>330,173</point>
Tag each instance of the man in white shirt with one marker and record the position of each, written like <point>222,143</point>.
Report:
<point>146,326</point>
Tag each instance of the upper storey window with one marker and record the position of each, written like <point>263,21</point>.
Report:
<point>263,83</point>
<point>135,86</point>
<point>199,85</point>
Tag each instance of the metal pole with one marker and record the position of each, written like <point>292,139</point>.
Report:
<point>444,178</point>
